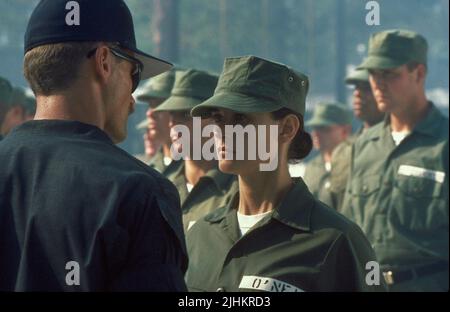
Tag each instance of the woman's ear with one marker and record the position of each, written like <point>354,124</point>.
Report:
<point>289,127</point>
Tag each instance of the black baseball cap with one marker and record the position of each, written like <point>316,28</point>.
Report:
<point>99,20</point>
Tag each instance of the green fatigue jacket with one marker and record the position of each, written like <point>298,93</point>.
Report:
<point>157,162</point>
<point>399,194</point>
<point>340,170</point>
<point>213,190</point>
<point>318,180</point>
<point>302,245</point>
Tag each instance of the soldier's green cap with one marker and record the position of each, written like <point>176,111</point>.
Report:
<point>5,91</point>
<point>357,76</point>
<point>142,125</point>
<point>251,84</point>
<point>158,87</point>
<point>329,114</point>
<point>394,48</point>
<point>19,97</point>
<point>191,88</point>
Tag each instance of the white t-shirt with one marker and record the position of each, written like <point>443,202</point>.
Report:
<point>167,161</point>
<point>399,136</point>
<point>248,221</point>
<point>189,187</point>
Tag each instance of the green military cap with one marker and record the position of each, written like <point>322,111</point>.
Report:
<point>329,114</point>
<point>394,48</point>
<point>19,97</point>
<point>191,88</point>
<point>5,91</point>
<point>158,87</point>
<point>143,124</point>
<point>357,76</point>
<point>251,84</point>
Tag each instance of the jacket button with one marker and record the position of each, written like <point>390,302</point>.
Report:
<point>365,188</point>
<point>220,289</point>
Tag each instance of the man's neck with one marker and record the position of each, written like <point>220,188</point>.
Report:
<point>326,155</point>
<point>195,169</point>
<point>406,120</point>
<point>70,106</point>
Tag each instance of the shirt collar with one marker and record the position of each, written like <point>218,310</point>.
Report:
<point>70,128</point>
<point>430,125</point>
<point>294,210</point>
<point>221,180</point>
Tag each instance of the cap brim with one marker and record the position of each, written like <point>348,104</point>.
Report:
<point>235,102</point>
<point>314,123</point>
<point>153,66</point>
<point>142,125</point>
<point>151,95</point>
<point>380,62</point>
<point>178,103</point>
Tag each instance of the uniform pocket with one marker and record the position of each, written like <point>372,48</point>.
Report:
<point>365,186</point>
<point>421,204</point>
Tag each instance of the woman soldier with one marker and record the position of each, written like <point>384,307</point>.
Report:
<point>273,235</point>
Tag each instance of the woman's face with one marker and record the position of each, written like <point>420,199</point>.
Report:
<point>253,142</point>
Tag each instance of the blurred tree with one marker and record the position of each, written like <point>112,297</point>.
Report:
<point>165,28</point>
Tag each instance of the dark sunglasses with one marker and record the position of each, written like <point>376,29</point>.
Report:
<point>136,74</point>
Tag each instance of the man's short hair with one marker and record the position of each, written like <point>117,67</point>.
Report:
<point>53,67</point>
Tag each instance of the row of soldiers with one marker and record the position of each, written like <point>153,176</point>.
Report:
<point>70,199</point>
<point>16,106</point>
<point>403,211</point>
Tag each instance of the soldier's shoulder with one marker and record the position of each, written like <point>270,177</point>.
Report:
<point>369,135</point>
<point>324,217</point>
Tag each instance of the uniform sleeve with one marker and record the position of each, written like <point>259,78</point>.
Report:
<point>154,257</point>
<point>352,262</point>
<point>346,208</point>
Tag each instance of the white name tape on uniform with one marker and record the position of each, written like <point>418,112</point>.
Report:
<point>412,171</point>
<point>267,284</point>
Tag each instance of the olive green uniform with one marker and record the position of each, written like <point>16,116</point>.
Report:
<point>340,170</point>
<point>399,195</point>
<point>212,191</point>
<point>301,246</point>
<point>317,177</point>
<point>157,162</point>
<point>318,180</point>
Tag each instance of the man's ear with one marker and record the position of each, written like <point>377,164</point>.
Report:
<point>103,63</point>
<point>289,126</point>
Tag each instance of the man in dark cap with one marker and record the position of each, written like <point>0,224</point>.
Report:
<point>76,212</point>
<point>398,186</point>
